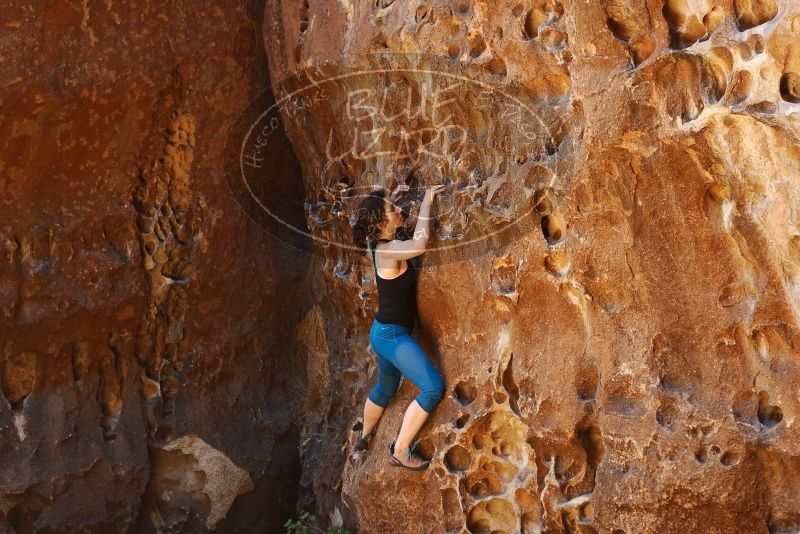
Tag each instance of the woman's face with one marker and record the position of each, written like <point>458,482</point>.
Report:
<point>393,215</point>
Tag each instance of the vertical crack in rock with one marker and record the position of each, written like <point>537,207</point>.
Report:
<point>510,386</point>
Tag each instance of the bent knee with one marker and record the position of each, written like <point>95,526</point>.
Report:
<point>432,395</point>
<point>381,397</point>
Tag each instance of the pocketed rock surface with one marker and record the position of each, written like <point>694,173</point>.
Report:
<point>612,292</point>
<point>625,361</point>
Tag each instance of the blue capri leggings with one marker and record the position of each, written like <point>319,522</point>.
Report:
<point>400,354</point>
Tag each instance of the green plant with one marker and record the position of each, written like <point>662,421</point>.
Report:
<point>305,521</point>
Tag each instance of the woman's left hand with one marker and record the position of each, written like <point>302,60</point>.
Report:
<point>397,190</point>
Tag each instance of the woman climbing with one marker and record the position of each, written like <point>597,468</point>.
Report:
<point>390,336</point>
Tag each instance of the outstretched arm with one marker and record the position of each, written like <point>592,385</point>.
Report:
<point>402,250</point>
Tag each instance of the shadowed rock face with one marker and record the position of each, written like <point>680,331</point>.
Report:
<point>629,361</point>
<point>142,364</point>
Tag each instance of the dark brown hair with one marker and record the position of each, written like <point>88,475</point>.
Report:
<point>371,211</point>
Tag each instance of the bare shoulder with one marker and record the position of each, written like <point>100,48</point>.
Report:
<point>401,249</point>
<point>385,257</point>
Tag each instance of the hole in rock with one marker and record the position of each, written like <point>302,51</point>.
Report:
<point>752,13</point>
<point>461,421</point>
<point>505,471</point>
<point>592,440</point>
<point>492,515</point>
<point>481,484</point>
<point>476,45</point>
<point>481,441</point>
<point>729,459</point>
<point>466,391</point>
<point>533,20</point>
<point>768,415</point>
<point>701,455</point>
<point>685,26</point>
<point>790,87</point>
<point>496,66</point>
<point>553,228</point>
<point>621,25</point>
<point>453,51</point>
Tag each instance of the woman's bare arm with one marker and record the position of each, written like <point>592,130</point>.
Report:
<point>404,249</point>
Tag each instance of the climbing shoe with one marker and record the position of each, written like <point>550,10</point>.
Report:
<point>363,441</point>
<point>410,454</point>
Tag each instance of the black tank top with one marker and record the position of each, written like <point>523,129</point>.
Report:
<point>397,297</point>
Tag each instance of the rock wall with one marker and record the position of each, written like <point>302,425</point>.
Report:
<point>142,361</point>
<point>612,294</point>
<point>626,358</point>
